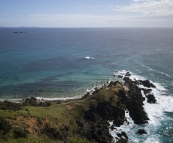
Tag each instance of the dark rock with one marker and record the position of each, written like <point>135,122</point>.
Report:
<point>126,79</point>
<point>94,125</point>
<point>128,74</point>
<point>146,83</point>
<point>109,112</point>
<point>89,115</point>
<point>120,76</point>
<point>122,96</point>
<point>112,127</point>
<point>97,130</point>
<point>151,98</point>
<point>111,84</point>
<point>121,140</point>
<point>135,105</point>
<point>146,91</point>
<point>119,135</point>
<point>141,132</point>
<point>124,134</point>
<point>115,83</point>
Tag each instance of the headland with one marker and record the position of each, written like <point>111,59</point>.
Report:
<point>83,120</point>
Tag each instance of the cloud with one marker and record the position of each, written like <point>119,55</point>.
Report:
<point>148,7</point>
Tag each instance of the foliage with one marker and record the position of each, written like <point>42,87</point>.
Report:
<point>19,133</point>
<point>5,126</point>
<point>30,101</point>
<point>6,105</point>
<point>45,104</point>
<point>34,102</point>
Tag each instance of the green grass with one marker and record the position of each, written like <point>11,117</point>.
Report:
<point>9,114</point>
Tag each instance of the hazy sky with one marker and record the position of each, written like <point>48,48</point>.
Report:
<point>86,13</point>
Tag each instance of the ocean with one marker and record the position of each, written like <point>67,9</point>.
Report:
<point>65,62</point>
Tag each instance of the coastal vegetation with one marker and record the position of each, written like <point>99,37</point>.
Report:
<point>75,121</point>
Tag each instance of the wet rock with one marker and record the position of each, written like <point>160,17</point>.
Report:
<point>120,76</point>
<point>125,135</point>
<point>122,137</point>
<point>126,79</point>
<point>112,127</point>
<point>147,83</point>
<point>135,105</point>
<point>141,132</point>
<point>151,98</point>
<point>128,74</point>
<point>146,91</point>
<point>119,135</point>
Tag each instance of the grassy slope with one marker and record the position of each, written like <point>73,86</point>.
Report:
<point>58,116</point>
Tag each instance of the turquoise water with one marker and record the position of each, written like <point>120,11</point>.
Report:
<point>50,62</point>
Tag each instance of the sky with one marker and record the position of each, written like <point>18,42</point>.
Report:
<point>86,13</point>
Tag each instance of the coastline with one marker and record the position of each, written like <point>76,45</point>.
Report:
<point>127,98</point>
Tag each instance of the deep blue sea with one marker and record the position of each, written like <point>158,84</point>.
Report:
<point>50,62</point>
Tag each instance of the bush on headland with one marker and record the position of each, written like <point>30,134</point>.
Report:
<point>6,105</point>
<point>19,133</point>
<point>5,127</point>
<point>34,102</point>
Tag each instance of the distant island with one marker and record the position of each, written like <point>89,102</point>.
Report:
<point>18,32</point>
<point>83,120</point>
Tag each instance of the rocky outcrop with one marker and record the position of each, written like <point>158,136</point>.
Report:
<point>128,74</point>
<point>122,135</point>
<point>141,132</point>
<point>151,98</point>
<point>147,83</point>
<point>133,101</point>
<point>135,105</point>
<point>108,112</point>
<point>94,125</point>
<point>94,129</point>
<point>146,91</point>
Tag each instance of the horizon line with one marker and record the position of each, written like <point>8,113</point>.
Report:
<point>74,27</point>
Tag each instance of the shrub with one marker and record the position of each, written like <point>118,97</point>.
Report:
<point>19,133</point>
<point>6,105</point>
<point>47,103</point>
<point>5,126</point>
<point>34,102</point>
<point>30,101</point>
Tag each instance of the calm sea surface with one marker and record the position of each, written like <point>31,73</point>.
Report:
<point>50,62</point>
